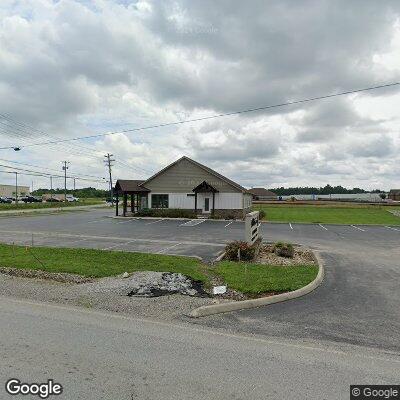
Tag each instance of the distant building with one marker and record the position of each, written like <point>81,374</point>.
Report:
<point>394,194</point>
<point>56,196</point>
<point>9,190</point>
<point>262,194</point>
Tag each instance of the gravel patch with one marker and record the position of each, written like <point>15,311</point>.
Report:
<point>168,308</point>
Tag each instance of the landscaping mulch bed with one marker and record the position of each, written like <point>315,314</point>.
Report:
<point>302,256</point>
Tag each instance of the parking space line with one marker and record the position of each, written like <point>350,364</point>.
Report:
<point>356,227</point>
<point>291,227</point>
<point>154,222</point>
<point>228,224</point>
<point>323,227</point>
<point>193,222</point>
<point>95,221</point>
<point>394,229</point>
<point>168,248</point>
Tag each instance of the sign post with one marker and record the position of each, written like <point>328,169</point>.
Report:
<point>251,226</point>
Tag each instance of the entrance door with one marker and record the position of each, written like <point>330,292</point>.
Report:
<point>207,204</point>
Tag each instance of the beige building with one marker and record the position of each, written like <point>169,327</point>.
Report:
<point>9,190</point>
<point>187,184</point>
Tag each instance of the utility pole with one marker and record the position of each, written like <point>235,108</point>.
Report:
<point>16,187</point>
<point>74,184</point>
<point>65,167</point>
<point>108,160</point>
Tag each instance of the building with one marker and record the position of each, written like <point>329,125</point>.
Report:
<point>394,194</point>
<point>9,190</point>
<point>262,194</point>
<point>186,184</point>
<point>55,196</point>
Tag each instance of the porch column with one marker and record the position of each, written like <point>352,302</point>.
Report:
<point>116,204</point>
<point>195,202</point>
<point>132,203</point>
<point>125,204</point>
<point>213,208</point>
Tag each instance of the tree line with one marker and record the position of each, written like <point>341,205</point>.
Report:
<point>82,193</point>
<point>327,189</point>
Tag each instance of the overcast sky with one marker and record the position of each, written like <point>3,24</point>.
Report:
<point>72,68</point>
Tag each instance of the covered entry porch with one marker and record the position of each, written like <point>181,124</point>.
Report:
<point>130,189</point>
<point>204,197</point>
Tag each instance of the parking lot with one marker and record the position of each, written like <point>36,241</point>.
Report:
<point>201,238</point>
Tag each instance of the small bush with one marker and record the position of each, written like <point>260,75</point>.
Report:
<point>247,251</point>
<point>284,249</point>
<point>166,213</point>
<point>262,214</point>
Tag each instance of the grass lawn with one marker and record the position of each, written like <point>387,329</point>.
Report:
<point>96,263</point>
<point>23,206</point>
<point>328,214</point>
<point>255,279</point>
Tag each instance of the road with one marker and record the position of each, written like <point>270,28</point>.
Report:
<point>96,355</point>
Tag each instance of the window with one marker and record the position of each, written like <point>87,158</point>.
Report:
<point>159,201</point>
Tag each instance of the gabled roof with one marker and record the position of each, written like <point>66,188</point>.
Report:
<point>125,185</point>
<point>394,191</point>
<point>207,169</point>
<point>261,192</point>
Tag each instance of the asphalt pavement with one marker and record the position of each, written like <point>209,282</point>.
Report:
<point>358,302</point>
<point>96,355</point>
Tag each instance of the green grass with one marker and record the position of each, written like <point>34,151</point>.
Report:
<point>254,279</point>
<point>329,214</point>
<point>96,263</point>
<point>23,206</point>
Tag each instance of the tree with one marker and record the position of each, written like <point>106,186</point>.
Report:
<point>382,196</point>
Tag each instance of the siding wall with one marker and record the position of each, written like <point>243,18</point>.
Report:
<point>223,201</point>
<point>183,177</point>
<point>9,190</point>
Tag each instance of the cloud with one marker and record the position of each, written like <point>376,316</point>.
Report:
<point>72,68</point>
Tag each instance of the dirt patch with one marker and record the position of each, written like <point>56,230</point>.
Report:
<point>38,274</point>
<point>302,256</point>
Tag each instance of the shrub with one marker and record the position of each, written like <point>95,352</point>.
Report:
<point>284,249</point>
<point>247,251</point>
<point>166,213</point>
<point>262,214</point>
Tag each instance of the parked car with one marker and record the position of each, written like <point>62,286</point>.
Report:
<point>31,199</point>
<point>53,200</point>
<point>71,198</point>
<point>5,200</point>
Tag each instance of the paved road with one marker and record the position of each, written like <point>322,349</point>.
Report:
<point>106,356</point>
<point>358,302</point>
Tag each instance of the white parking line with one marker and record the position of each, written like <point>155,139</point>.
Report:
<point>228,224</point>
<point>291,227</point>
<point>394,229</point>
<point>168,248</point>
<point>193,222</point>
<point>323,227</point>
<point>95,221</point>
<point>154,222</point>
<point>356,227</point>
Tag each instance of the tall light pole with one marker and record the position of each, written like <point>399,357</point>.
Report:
<point>51,187</point>
<point>65,167</point>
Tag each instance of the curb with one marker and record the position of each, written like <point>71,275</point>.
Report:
<point>246,304</point>
<point>49,210</point>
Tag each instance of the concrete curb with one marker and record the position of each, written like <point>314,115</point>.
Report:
<point>245,304</point>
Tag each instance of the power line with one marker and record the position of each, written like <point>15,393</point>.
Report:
<point>212,116</point>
